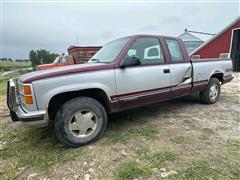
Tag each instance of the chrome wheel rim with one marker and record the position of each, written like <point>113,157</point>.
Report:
<point>213,92</point>
<point>83,123</point>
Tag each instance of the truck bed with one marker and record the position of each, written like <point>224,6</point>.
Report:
<point>204,68</point>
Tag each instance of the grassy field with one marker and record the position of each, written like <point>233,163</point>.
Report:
<point>5,78</point>
<point>7,66</point>
<point>180,139</point>
<point>10,70</point>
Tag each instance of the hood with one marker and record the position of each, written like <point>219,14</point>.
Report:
<point>65,70</point>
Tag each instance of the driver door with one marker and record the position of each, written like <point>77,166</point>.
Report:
<point>146,83</point>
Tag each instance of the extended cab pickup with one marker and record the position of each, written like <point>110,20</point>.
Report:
<point>126,73</point>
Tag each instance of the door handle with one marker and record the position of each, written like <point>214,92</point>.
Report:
<point>166,70</point>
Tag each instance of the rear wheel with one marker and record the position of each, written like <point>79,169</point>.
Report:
<point>211,94</point>
<point>80,121</point>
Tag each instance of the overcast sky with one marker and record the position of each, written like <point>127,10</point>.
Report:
<point>55,26</point>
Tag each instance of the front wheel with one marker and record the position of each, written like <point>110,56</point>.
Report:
<point>80,121</point>
<point>211,94</point>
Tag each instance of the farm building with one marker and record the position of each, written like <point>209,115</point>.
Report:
<point>223,43</point>
<point>81,54</point>
<point>191,42</point>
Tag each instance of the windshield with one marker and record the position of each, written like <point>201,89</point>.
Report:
<point>109,52</point>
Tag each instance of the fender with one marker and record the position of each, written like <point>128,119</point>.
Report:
<point>216,71</point>
<point>73,87</point>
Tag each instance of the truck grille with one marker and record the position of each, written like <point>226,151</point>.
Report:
<point>12,94</point>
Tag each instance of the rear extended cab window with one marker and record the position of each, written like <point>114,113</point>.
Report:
<point>148,50</point>
<point>174,50</point>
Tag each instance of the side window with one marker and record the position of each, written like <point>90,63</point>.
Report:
<point>174,50</point>
<point>148,50</point>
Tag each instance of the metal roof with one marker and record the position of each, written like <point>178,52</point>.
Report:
<point>187,37</point>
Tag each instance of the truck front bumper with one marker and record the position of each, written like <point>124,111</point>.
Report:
<point>17,113</point>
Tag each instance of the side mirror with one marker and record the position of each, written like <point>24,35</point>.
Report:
<point>130,61</point>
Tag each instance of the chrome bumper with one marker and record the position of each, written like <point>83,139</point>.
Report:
<point>36,118</point>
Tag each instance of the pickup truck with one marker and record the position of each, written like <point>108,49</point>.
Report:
<point>59,61</point>
<point>126,73</point>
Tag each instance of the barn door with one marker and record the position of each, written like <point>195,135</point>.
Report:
<point>235,49</point>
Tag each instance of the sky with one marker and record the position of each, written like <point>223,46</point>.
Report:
<point>54,26</point>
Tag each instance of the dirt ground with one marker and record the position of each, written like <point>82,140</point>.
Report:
<point>180,139</point>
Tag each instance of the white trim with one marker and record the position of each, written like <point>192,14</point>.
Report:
<point>230,50</point>
<point>216,36</point>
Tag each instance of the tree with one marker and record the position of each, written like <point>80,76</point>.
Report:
<point>41,56</point>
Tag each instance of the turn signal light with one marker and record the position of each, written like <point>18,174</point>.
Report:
<point>28,99</point>
<point>26,90</point>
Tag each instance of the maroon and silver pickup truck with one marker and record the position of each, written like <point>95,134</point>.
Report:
<point>126,73</point>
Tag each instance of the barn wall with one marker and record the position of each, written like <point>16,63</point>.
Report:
<point>219,45</point>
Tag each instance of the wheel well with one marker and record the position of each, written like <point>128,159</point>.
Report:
<point>58,100</point>
<point>219,76</point>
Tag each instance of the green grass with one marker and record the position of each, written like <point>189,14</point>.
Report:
<point>208,131</point>
<point>5,78</point>
<point>35,148</point>
<point>200,170</point>
<point>204,137</point>
<point>237,119</point>
<point>7,66</point>
<point>117,136</point>
<point>114,137</point>
<point>178,140</point>
<point>149,132</point>
<point>142,153</point>
<point>158,159</point>
<point>119,127</point>
<point>132,170</point>
<point>234,144</point>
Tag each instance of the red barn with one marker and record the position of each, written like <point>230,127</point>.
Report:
<point>227,41</point>
<point>82,54</point>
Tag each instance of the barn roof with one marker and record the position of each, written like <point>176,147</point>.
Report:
<point>188,37</point>
<point>217,35</point>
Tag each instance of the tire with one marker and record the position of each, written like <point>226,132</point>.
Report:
<point>211,94</point>
<point>80,121</point>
